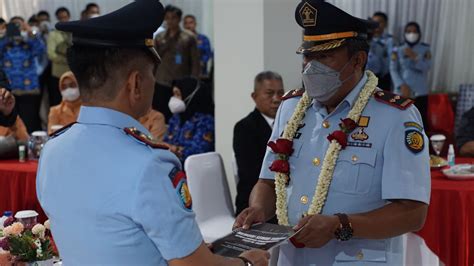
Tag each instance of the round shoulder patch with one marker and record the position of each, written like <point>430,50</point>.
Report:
<point>178,179</point>
<point>414,141</point>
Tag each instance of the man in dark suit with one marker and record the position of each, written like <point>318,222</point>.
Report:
<point>251,134</point>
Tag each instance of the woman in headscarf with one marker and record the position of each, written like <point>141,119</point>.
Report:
<point>68,110</point>
<point>409,68</point>
<point>191,128</point>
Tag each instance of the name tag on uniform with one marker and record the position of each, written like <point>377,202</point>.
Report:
<point>178,59</point>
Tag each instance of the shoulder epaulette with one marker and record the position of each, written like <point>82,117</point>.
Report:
<point>142,137</point>
<point>61,131</point>
<point>393,99</point>
<point>424,44</point>
<point>292,94</point>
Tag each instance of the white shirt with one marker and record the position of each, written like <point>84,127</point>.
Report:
<point>268,119</point>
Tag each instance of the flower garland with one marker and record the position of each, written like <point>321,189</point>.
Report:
<point>338,140</point>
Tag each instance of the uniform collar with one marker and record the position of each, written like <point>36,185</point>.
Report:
<point>109,117</point>
<point>348,101</point>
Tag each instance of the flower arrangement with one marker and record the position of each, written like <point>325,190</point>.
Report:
<point>27,244</point>
<point>283,148</point>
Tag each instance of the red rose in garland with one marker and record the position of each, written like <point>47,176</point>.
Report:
<point>281,146</point>
<point>347,125</point>
<point>340,137</point>
<point>281,166</point>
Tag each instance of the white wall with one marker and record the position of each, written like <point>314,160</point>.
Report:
<point>250,36</point>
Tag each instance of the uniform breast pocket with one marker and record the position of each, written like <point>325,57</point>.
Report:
<point>354,172</point>
<point>362,250</point>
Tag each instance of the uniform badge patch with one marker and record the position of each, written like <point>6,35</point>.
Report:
<point>414,141</point>
<point>178,178</point>
<point>308,15</point>
<point>414,125</point>
<point>360,135</point>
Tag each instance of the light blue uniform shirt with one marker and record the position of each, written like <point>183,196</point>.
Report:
<point>376,61</point>
<point>413,73</point>
<point>110,198</point>
<point>386,44</point>
<point>368,174</point>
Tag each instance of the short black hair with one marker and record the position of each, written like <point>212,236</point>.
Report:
<point>91,5</point>
<point>190,16</point>
<point>174,9</point>
<point>33,19</point>
<point>2,21</point>
<point>266,75</point>
<point>17,17</point>
<point>357,45</point>
<point>62,9</point>
<point>93,67</point>
<point>382,15</point>
<point>43,13</point>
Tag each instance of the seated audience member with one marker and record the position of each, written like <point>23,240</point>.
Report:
<point>465,134</point>
<point>154,121</point>
<point>19,52</point>
<point>251,134</point>
<point>191,128</point>
<point>17,131</point>
<point>8,112</point>
<point>68,110</point>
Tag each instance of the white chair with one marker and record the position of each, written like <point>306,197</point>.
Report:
<point>209,189</point>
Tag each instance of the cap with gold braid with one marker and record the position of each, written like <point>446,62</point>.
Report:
<point>327,27</point>
<point>131,26</point>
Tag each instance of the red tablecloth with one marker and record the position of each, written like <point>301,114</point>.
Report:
<point>449,227</point>
<point>18,187</point>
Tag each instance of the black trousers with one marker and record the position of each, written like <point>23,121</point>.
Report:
<point>28,108</point>
<point>421,103</point>
<point>385,82</point>
<point>54,95</point>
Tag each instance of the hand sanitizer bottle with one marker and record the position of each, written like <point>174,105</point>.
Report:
<point>451,155</point>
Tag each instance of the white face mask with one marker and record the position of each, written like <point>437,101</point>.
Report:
<point>70,94</point>
<point>3,33</point>
<point>412,37</point>
<point>176,105</point>
<point>24,34</point>
<point>34,30</point>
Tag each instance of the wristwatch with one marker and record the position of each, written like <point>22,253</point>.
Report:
<point>246,261</point>
<point>345,231</point>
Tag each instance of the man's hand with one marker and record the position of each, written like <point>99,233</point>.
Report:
<point>248,217</point>
<point>7,102</point>
<point>257,257</point>
<point>317,230</point>
<point>405,91</point>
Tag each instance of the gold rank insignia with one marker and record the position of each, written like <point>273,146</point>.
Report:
<point>414,141</point>
<point>359,134</point>
<point>393,99</point>
<point>145,139</point>
<point>308,15</point>
<point>292,93</point>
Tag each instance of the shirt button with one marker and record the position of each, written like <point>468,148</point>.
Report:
<point>316,161</point>
<point>304,199</point>
<point>354,158</point>
<point>360,255</point>
<point>326,124</point>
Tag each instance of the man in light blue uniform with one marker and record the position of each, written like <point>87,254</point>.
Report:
<point>381,47</point>
<point>409,67</point>
<point>113,196</point>
<point>381,183</point>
